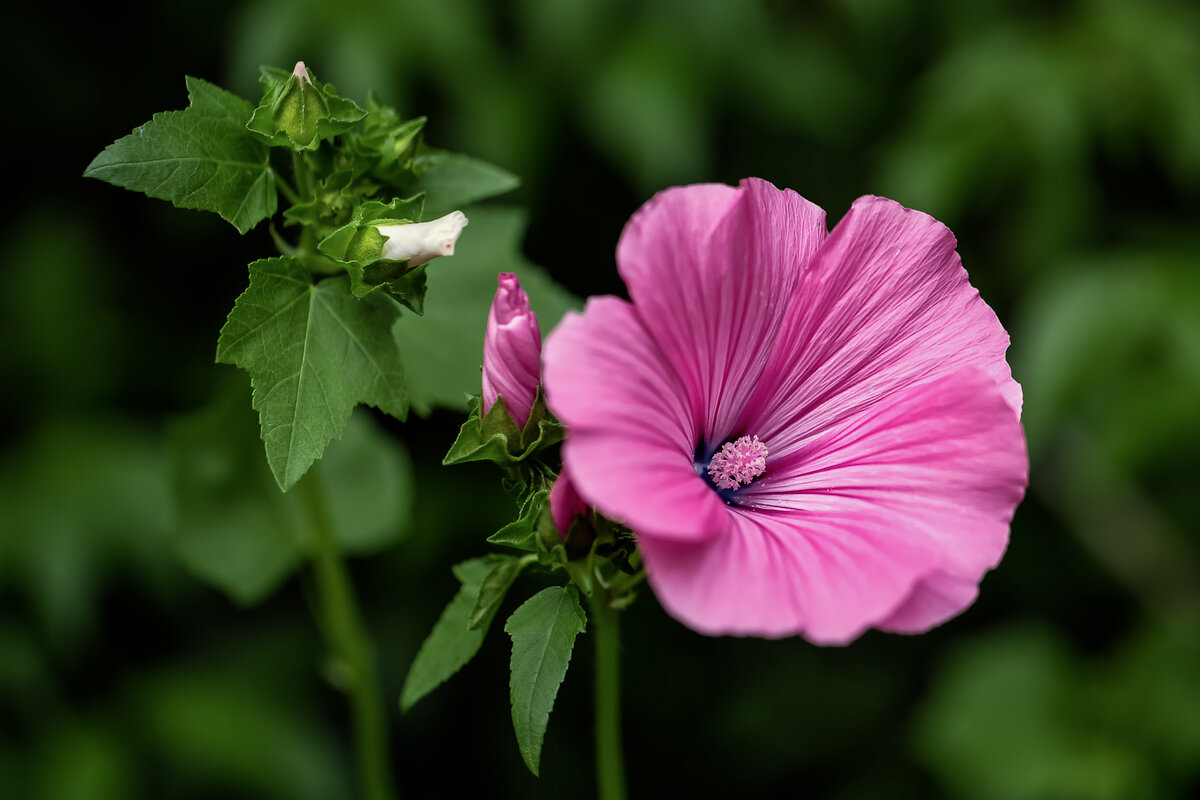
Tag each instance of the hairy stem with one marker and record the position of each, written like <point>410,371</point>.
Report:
<point>610,763</point>
<point>349,644</point>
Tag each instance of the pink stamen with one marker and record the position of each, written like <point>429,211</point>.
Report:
<point>738,463</point>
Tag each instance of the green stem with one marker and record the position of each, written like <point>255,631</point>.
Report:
<point>286,188</point>
<point>303,176</point>
<point>351,647</point>
<point>610,763</point>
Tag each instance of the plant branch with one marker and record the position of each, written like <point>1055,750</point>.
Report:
<point>610,762</point>
<point>350,645</point>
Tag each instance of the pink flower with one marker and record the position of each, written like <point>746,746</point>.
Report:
<point>809,433</point>
<point>512,351</point>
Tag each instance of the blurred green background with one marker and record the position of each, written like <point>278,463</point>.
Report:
<point>1060,141</point>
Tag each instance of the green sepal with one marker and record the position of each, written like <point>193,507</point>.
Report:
<point>495,436</point>
<point>575,553</point>
<point>331,206</point>
<point>300,112</point>
<point>201,158</point>
<point>389,143</point>
<point>593,550</point>
<point>521,533</point>
<point>451,644</point>
<point>358,246</point>
<point>493,588</point>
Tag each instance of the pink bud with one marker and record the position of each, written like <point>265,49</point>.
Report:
<point>565,502</point>
<point>512,351</point>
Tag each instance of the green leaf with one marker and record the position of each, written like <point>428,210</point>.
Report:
<point>543,631</point>
<point>201,158</point>
<point>369,486</point>
<point>451,643</point>
<point>236,530</point>
<point>452,181</point>
<point>233,527</point>
<point>442,351</point>
<point>300,112</point>
<point>494,587</point>
<point>313,353</point>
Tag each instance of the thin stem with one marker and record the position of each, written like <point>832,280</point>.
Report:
<point>304,186</point>
<point>303,176</point>
<point>351,647</point>
<point>286,188</point>
<point>610,763</point>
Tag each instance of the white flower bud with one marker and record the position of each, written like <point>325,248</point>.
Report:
<point>421,241</point>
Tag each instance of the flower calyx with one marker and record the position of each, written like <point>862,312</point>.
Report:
<point>493,436</point>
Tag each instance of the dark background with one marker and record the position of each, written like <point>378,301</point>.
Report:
<point>1061,143</point>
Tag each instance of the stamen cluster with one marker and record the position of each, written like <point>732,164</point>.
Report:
<point>738,463</point>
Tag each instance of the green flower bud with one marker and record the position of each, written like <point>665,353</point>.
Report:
<point>298,108</point>
<point>298,111</point>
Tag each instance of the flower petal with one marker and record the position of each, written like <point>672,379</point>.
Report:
<point>946,460</point>
<point>709,269</point>
<point>827,576</point>
<point>934,600</point>
<point>631,437</point>
<point>882,522</point>
<point>884,306</point>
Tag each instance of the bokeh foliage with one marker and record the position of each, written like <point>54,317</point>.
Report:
<point>1061,143</point>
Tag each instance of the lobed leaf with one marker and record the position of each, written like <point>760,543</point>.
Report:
<point>313,352</point>
<point>543,632</point>
<point>201,158</point>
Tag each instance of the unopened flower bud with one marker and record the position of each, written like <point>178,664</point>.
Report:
<point>565,502</point>
<point>512,351</point>
<point>421,241</point>
<point>300,112</point>
<point>299,107</point>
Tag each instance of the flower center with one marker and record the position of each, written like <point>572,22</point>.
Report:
<point>738,463</point>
